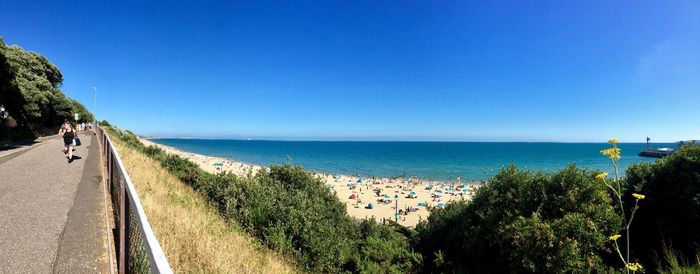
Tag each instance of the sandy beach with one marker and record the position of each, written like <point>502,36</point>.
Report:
<point>364,197</point>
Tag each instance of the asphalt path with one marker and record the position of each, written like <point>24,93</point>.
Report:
<point>51,211</point>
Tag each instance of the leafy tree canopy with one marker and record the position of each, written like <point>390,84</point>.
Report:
<point>30,90</point>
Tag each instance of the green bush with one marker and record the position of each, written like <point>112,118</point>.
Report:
<point>291,210</point>
<point>154,152</point>
<point>670,213</point>
<point>523,222</point>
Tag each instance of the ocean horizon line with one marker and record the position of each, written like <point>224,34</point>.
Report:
<point>402,141</point>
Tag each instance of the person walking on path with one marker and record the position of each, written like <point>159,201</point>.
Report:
<point>68,133</point>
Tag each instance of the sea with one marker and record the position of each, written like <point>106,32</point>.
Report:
<point>473,161</point>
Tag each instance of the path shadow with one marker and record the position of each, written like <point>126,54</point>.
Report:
<point>17,145</point>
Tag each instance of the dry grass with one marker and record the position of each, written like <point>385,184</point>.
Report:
<point>194,237</point>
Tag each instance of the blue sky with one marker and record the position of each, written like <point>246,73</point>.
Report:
<point>377,70</point>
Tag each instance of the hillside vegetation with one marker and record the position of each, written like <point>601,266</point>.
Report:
<point>194,237</point>
<point>292,212</point>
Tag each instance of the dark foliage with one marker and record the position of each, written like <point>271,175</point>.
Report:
<point>670,213</point>
<point>523,222</point>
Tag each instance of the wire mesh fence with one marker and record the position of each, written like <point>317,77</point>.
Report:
<point>138,251</point>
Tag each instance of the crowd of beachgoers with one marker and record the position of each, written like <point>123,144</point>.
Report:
<point>406,200</point>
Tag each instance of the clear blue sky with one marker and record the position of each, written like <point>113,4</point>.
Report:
<point>377,70</point>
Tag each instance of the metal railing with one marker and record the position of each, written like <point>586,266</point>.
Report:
<point>137,248</point>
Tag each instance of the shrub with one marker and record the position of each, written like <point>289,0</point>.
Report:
<point>154,152</point>
<point>385,248</point>
<point>671,211</point>
<point>523,222</point>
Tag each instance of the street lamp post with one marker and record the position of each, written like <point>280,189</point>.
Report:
<point>94,106</point>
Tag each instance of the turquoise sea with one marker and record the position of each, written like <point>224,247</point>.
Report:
<point>434,160</point>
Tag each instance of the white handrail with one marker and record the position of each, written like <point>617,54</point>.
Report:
<point>159,263</point>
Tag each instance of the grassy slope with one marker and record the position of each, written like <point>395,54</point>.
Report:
<point>193,235</point>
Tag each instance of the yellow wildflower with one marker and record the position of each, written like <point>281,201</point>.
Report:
<point>614,237</point>
<point>613,141</point>
<point>601,176</point>
<point>612,153</point>
<point>638,196</point>
<point>634,267</point>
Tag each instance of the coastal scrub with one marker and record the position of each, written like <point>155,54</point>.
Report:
<point>666,234</point>
<point>523,221</point>
<point>291,211</point>
<point>193,235</point>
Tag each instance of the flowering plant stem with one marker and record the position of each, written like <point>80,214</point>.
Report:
<point>614,154</point>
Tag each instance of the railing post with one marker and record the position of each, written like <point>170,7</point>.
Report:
<point>109,169</point>
<point>127,230</point>
<point>122,228</point>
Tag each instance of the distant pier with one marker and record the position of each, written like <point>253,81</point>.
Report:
<point>656,152</point>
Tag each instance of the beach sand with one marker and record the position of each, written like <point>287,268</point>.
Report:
<point>414,196</point>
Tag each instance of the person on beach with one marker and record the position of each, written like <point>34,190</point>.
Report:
<point>68,133</point>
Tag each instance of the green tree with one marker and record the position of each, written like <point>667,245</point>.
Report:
<point>30,90</point>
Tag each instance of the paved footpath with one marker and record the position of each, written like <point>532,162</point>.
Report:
<point>52,216</point>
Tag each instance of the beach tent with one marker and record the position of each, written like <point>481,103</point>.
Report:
<point>386,196</point>
<point>353,196</point>
<point>370,206</point>
<point>441,205</point>
<point>359,180</point>
<point>421,204</point>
